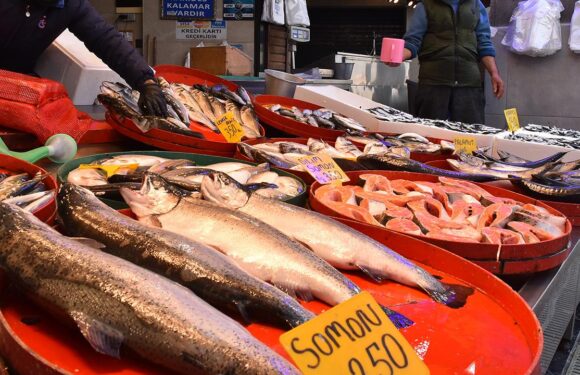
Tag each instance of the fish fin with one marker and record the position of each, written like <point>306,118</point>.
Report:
<point>102,337</point>
<point>399,320</point>
<point>454,295</point>
<point>372,274</point>
<point>241,306</point>
<point>89,242</point>
<point>305,295</point>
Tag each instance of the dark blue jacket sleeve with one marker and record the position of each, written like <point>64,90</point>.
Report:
<point>416,31</point>
<point>483,31</point>
<point>108,44</point>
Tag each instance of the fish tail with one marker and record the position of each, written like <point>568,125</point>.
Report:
<point>451,295</point>
<point>399,320</point>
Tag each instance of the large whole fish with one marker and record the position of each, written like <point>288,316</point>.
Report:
<point>209,274</point>
<point>399,163</point>
<point>334,242</point>
<point>117,305</point>
<point>260,249</point>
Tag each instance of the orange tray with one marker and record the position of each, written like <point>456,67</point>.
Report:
<point>213,143</point>
<point>530,258</point>
<point>571,210</point>
<point>46,213</point>
<point>495,331</point>
<point>287,125</point>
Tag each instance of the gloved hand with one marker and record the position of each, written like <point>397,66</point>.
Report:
<point>151,101</point>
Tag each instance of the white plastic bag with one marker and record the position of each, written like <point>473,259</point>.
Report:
<point>535,29</point>
<point>297,13</point>
<point>575,29</point>
<point>273,12</point>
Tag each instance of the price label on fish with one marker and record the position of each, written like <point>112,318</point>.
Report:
<point>230,128</point>
<point>353,338</point>
<point>465,145</point>
<point>513,121</point>
<point>323,169</point>
<point>110,170</point>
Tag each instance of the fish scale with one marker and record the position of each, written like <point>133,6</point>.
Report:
<point>117,304</point>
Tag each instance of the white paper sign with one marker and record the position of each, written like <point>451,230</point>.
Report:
<point>207,30</point>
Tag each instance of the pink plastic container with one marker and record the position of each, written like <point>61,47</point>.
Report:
<point>392,51</point>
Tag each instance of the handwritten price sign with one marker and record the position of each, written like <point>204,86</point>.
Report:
<point>230,128</point>
<point>465,145</point>
<point>353,338</point>
<point>323,169</point>
<point>513,121</point>
<point>110,170</point>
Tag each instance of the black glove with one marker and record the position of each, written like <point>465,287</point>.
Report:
<point>151,101</point>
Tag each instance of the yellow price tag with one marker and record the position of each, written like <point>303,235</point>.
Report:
<point>230,128</point>
<point>465,145</point>
<point>110,170</point>
<point>353,338</point>
<point>513,121</point>
<point>323,169</point>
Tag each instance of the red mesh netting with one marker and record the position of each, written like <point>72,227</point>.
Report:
<point>39,106</point>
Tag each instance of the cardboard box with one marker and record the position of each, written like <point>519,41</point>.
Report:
<point>221,60</point>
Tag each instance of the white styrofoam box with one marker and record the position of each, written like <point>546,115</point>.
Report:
<point>355,106</point>
<point>534,151</point>
<point>68,61</point>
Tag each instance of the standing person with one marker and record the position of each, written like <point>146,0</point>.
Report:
<point>451,38</point>
<point>28,27</point>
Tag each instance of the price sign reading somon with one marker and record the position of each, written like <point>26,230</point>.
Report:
<point>353,338</point>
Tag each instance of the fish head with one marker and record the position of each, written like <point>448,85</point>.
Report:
<point>220,188</point>
<point>156,197</point>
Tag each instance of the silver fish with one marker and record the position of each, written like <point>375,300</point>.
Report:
<point>209,274</point>
<point>260,249</point>
<point>117,305</point>
<point>338,244</point>
<point>250,122</point>
<point>345,146</point>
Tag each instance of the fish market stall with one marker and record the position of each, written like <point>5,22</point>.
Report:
<point>253,264</point>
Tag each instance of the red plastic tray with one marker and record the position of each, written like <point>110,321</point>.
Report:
<point>571,210</point>
<point>287,125</point>
<point>46,213</point>
<point>534,256</point>
<point>161,144</point>
<point>213,142</point>
<point>495,322</point>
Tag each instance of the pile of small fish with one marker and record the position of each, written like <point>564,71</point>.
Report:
<point>199,103</point>
<point>548,178</point>
<point>129,171</point>
<point>319,118</point>
<point>285,154</point>
<point>552,130</point>
<point>28,192</point>
<point>389,114</point>
<point>545,139</point>
<point>451,209</point>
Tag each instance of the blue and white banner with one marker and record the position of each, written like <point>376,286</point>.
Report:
<point>187,10</point>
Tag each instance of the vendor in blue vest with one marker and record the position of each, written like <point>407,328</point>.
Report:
<point>451,38</point>
<point>28,27</point>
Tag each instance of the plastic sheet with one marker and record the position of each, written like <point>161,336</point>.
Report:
<point>535,29</point>
<point>297,13</point>
<point>273,12</point>
<point>575,29</point>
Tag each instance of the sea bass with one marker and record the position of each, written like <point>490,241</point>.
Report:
<point>260,249</point>
<point>334,242</point>
<point>117,305</point>
<point>209,274</point>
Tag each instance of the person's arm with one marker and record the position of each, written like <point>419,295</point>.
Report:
<point>486,51</point>
<point>109,45</point>
<point>414,35</point>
